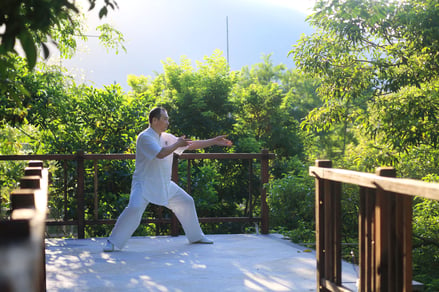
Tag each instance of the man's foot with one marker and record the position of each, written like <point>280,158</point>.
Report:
<point>204,240</point>
<point>109,247</point>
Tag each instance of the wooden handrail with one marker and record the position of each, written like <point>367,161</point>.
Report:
<point>265,156</point>
<point>403,186</point>
<point>385,226</point>
<point>22,247</point>
<point>80,158</point>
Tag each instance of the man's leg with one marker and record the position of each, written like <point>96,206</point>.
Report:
<point>129,219</point>
<point>183,206</point>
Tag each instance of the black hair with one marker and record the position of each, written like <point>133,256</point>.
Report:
<point>155,113</point>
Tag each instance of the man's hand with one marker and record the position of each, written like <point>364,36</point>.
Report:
<point>222,141</point>
<point>218,141</point>
<point>183,141</point>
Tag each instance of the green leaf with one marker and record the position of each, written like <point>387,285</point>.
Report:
<point>28,44</point>
<point>8,43</point>
<point>46,51</point>
<point>92,4</point>
<point>103,12</point>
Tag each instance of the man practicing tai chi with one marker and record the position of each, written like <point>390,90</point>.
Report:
<point>152,182</point>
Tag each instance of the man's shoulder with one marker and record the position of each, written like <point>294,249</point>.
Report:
<point>147,134</point>
<point>144,132</point>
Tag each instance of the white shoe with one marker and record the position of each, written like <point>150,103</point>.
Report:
<point>109,247</point>
<point>204,240</point>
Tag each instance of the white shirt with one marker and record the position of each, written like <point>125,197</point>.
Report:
<point>154,174</point>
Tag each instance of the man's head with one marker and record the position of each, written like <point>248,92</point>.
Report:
<point>158,119</point>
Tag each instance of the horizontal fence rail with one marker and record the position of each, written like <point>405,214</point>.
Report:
<point>401,186</point>
<point>80,158</point>
<point>385,227</point>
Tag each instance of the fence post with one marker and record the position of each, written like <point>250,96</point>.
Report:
<point>35,168</point>
<point>174,221</point>
<point>328,229</point>
<point>320,224</point>
<point>366,238</point>
<point>22,237</point>
<point>264,180</point>
<point>393,239</point>
<point>383,217</point>
<point>80,193</point>
<point>404,236</point>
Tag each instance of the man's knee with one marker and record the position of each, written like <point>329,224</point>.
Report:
<point>134,210</point>
<point>181,201</point>
<point>188,200</point>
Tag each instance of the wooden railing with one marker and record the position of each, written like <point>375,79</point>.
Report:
<point>264,157</point>
<point>385,227</point>
<point>22,248</point>
<point>80,158</point>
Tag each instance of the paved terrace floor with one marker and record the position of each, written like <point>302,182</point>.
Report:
<point>238,262</point>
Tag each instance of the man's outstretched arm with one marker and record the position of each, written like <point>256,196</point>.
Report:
<point>181,142</point>
<point>217,141</point>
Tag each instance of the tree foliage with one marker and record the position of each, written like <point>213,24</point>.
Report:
<point>33,23</point>
<point>31,27</point>
<point>198,99</point>
<point>366,50</point>
<point>365,94</point>
<point>202,101</point>
<point>376,62</point>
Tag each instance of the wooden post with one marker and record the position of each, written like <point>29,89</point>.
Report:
<point>393,216</point>
<point>95,193</point>
<point>320,225</point>
<point>384,241</point>
<point>65,205</point>
<point>35,167</point>
<point>366,222</point>
<point>28,171</point>
<point>35,163</point>
<point>23,234</point>
<point>249,206</point>
<point>174,221</point>
<point>333,215</point>
<point>264,180</point>
<point>80,193</point>
<point>23,198</point>
<point>30,182</point>
<point>404,235</point>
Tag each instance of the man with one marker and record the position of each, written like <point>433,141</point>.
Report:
<point>152,182</point>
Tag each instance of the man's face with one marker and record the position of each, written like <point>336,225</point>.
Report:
<point>162,123</point>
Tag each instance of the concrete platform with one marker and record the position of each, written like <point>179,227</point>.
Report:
<point>236,262</point>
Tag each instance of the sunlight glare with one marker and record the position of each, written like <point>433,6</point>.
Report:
<point>303,6</point>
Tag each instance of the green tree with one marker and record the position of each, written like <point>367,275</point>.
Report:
<point>263,73</point>
<point>30,25</point>
<point>199,99</point>
<point>365,50</point>
<point>291,203</point>
<point>264,112</point>
<point>376,62</point>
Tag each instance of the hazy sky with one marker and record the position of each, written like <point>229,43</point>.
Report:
<point>155,30</point>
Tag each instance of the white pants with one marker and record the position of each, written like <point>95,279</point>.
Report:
<point>180,202</point>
